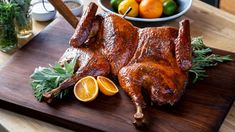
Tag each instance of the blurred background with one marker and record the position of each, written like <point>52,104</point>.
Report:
<point>227,5</point>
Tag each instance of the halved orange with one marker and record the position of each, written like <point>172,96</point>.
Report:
<point>106,86</point>
<point>86,89</point>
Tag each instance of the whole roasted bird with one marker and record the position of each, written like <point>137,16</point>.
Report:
<point>155,59</point>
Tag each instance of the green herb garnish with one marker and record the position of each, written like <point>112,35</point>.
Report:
<point>45,79</point>
<point>8,39</point>
<point>202,58</point>
<point>22,12</point>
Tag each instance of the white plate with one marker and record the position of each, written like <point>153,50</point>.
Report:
<point>184,6</point>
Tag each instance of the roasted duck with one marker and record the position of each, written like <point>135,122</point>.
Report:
<point>155,59</point>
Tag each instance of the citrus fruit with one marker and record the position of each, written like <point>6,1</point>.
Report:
<point>124,5</point>
<point>115,3</point>
<point>106,86</point>
<point>169,7</point>
<point>86,89</point>
<point>150,8</point>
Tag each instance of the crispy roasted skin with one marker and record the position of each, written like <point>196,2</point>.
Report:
<point>155,59</point>
<point>119,43</point>
<point>155,68</point>
<point>84,26</point>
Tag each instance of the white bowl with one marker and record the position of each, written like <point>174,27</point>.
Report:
<point>184,6</point>
<point>77,11</point>
<point>39,13</point>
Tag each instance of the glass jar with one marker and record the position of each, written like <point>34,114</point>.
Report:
<point>8,38</point>
<point>24,24</point>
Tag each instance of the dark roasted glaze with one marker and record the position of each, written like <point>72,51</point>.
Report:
<point>119,41</point>
<point>183,47</point>
<point>83,29</point>
<point>154,67</point>
<point>156,59</point>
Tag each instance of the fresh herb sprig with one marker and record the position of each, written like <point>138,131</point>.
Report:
<point>7,10</point>
<point>22,11</point>
<point>202,58</point>
<point>45,79</point>
<point>8,37</point>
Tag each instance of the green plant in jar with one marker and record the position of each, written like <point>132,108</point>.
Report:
<point>8,38</point>
<point>23,18</point>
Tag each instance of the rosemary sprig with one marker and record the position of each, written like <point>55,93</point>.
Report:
<point>202,58</point>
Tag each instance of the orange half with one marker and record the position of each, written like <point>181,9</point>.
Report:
<point>86,89</point>
<point>106,86</point>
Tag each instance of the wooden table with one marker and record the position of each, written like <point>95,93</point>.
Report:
<point>207,21</point>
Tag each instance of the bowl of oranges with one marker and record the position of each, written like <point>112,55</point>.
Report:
<point>147,10</point>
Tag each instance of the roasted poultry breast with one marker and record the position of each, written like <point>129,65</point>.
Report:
<point>155,59</point>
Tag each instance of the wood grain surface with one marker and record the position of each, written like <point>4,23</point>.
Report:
<point>203,107</point>
<point>228,5</point>
<point>65,12</point>
<point>217,28</point>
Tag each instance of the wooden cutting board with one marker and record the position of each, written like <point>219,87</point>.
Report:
<point>202,108</point>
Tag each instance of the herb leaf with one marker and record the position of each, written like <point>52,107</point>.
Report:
<point>202,58</point>
<point>44,79</point>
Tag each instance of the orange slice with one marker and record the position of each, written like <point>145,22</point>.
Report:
<point>106,86</point>
<point>86,89</point>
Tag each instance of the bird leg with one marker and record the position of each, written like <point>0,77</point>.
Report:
<point>48,96</point>
<point>89,63</point>
<point>131,83</point>
<point>139,116</point>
